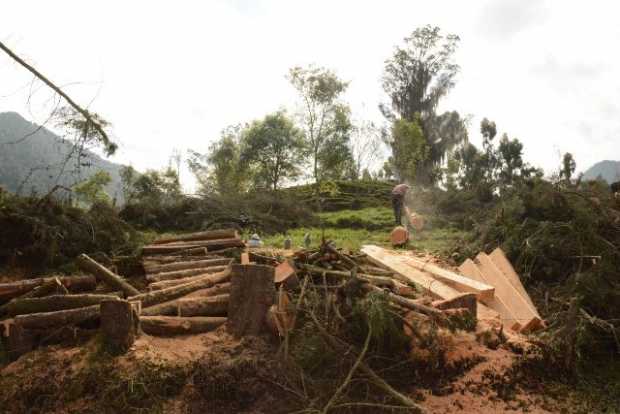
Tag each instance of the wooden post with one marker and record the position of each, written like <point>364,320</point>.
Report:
<point>252,293</point>
<point>118,327</point>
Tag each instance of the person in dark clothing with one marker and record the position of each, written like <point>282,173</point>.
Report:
<point>398,200</point>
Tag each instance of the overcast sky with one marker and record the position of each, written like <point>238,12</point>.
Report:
<point>173,74</point>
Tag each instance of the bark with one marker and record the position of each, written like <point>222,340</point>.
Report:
<point>111,279</point>
<point>185,265</point>
<point>72,283</point>
<point>52,303</point>
<point>49,287</point>
<point>165,295</point>
<point>203,235</point>
<point>118,327</point>
<point>19,341</point>
<point>47,320</point>
<point>211,245</point>
<point>252,292</point>
<point>209,306</point>
<point>170,308</point>
<point>175,325</point>
<point>407,303</point>
<point>179,274</point>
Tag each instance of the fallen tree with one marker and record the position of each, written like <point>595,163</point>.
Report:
<point>52,303</point>
<point>171,308</point>
<point>175,325</point>
<point>108,277</point>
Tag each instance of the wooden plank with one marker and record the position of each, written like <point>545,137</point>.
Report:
<point>408,273</point>
<point>517,305</point>
<point>482,290</point>
<point>283,271</point>
<point>503,264</point>
<point>470,269</point>
<point>245,258</point>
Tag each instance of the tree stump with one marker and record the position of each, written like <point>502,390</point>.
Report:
<point>19,341</point>
<point>252,293</point>
<point>118,327</point>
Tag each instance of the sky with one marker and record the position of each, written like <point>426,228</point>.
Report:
<point>171,75</point>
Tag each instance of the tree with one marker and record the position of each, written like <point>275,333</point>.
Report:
<point>365,143</point>
<point>416,77</point>
<point>128,179</point>
<point>275,147</point>
<point>221,169</point>
<point>92,190</point>
<point>510,159</point>
<point>157,187</point>
<point>409,148</point>
<point>568,167</point>
<point>325,120</point>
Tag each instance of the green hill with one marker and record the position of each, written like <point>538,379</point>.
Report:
<point>32,158</point>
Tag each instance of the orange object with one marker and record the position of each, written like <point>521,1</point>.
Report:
<point>399,236</point>
<point>283,271</point>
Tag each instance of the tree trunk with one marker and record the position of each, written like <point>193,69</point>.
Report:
<point>179,274</point>
<point>52,303</point>
<point>175,325</point>
<point>19,341</point>
<point>171,308</point>
<point>186,265</point>
<point>175,247</point>
<point>203,235</point>
<point>47,320</point>
<point>50,287</point>
<point>406,303</point>
<point>12,290</point>
<point>252,292</point>
<point>160,260</point>
<point>165,295</point>
<point>111,279</point>
<point>209,306</point>
<point>118,327</point>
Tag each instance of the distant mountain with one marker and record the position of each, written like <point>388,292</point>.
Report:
<point>32,158</point>
<point>607,170</point>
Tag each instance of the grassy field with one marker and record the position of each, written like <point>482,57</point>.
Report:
<point>353,228</point>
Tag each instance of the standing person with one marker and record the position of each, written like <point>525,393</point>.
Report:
<point>398,199</point>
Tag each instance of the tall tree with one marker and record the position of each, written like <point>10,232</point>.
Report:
<point>568,167</point>
<point>275,147</point>
<point>365,145</point>
<point>326,120</point>
<point>92,190</point>
<point>416,77</point>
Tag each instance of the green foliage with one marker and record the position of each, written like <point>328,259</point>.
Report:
<point>343,195</point>
<point>371,218</point>
<point>91,190</point>
<point>273,147</point>
<point>409,148</point>
<point>568,167</point>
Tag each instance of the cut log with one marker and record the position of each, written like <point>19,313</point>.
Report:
<point>179,274</point>
<point>459,282</point>
<point>50,287</point>
<point>19,341</point>
<point>252,292</point>
<point>165,284</point>
<point>176,247</point>
<point>283,271</point>
<point>203,235</point>
<point>170,308</point>
<point>175,325</point>
<point>47,320</point>
<point>111,279</point>
<point>281,316</point>
<point>517,305</point>
<point>503,264</point>
<point>72,283</point>
<point>409,274</point>
<point>406,303</point>
<point>159,260</point>
<point>245,258</point>
<point>52,303</point>
<point>118,327</point>
<point>165,295</point>
<point>399,236</point>
<point>185,265</point>
<point>209,306</point>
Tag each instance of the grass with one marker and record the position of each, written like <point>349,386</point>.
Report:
<point>351,229</point>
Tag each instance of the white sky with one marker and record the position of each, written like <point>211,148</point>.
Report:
<point>173,74</point>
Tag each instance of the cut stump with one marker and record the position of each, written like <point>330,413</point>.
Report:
<point>252,293</point>
<point>118,327</point>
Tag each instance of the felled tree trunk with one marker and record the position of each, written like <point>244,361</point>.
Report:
<point>12,290</point>
<point>252,292</point>
<point>50,287</point>
<point>159,277</point>
<point>209,306</point>
<point>171,308</point>
<point>203,235</point>
<point>53,303</point>
<point>108,277</point>
<point>175,325</point>
<point>118,326</point>
<point>47,320</point>
<point>19,341</point>
<point>179,246</point>
<point>165,295</point>
<point>185,265</point>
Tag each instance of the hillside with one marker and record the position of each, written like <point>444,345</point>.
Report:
<point>608,170</point>
<point>42,155</point>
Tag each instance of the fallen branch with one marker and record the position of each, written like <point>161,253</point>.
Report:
<point>111,279</point>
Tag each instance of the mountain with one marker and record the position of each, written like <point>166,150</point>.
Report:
<point>608,170</point>
<point>32,158</point>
